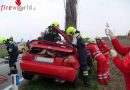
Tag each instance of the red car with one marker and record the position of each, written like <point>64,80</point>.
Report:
<point>50,59</point>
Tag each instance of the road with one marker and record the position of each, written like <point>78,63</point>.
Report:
<point>4,69</point>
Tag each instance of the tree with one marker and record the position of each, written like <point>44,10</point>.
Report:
<point>71,13</point>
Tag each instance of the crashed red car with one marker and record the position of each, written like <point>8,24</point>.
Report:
<point>50,59</point>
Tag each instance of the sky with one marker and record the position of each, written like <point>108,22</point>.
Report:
<point>92,16</point>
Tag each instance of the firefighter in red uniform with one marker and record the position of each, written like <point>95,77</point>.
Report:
<point>122,65</point>
<point>104,48</point>
<point>100,58</point>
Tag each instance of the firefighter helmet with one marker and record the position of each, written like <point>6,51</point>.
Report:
<point>3,40</point>
<point>97,37</point>
<point>91,41</point>
<point>70,31</point>
<point>56,24</point>
<point>85,38</point>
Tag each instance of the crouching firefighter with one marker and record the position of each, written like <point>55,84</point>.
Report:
<point>13,54</point>
<point>102,69</point>
<point>80,45</point>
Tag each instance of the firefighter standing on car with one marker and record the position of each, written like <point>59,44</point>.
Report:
<point>97,55</point>
<point>80,45</point>
<point>50,34</point>
<point>104,48</point>
<point>13,53</point>
<point>122,64</point>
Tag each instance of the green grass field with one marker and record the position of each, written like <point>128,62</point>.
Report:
<point>3,52</point>
<point>47,84</point>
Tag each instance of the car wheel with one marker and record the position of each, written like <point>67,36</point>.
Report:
<point>27,75</point>
<point>76,82</point>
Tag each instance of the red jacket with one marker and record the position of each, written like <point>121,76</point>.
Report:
<point>102,67</point>
<point>103,46</point>
<point>122,65</point>
<point>93,50</point>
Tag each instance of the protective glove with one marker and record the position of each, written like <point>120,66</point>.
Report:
<point>113,53</point>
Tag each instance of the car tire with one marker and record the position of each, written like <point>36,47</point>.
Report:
<point>76,81</point>
<point>27,75</point>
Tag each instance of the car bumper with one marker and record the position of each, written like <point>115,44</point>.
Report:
<point>66,73</point>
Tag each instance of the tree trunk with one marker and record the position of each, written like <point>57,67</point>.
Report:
<point>71,13</point>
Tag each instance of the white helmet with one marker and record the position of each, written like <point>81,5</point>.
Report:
<point>97,37</point>
<point>91,41</point>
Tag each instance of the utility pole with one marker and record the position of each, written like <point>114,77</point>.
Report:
<point>71,13</point>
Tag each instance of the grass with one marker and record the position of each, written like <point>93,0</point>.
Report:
<point>46,84</point>
<point>49,84</point>
<point>3,52</point>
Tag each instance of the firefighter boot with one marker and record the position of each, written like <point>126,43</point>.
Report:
<point>13,70</point>
<point>86,79</point>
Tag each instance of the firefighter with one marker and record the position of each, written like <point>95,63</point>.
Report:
<point>80,45</point>
<point>102,45</point>
<point>97,55</point>
<point>41,36</point>
<point>104,48</point>
<point>27,43</point>
<point>122,65</point>
<point>11,39</point>
<point>13,53</point>
<point>85,39</point>
<point>50,34</point>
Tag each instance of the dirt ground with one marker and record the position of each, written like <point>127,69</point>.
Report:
<point>117,79</point>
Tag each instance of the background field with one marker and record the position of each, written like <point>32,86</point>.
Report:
<point>3,51</point>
